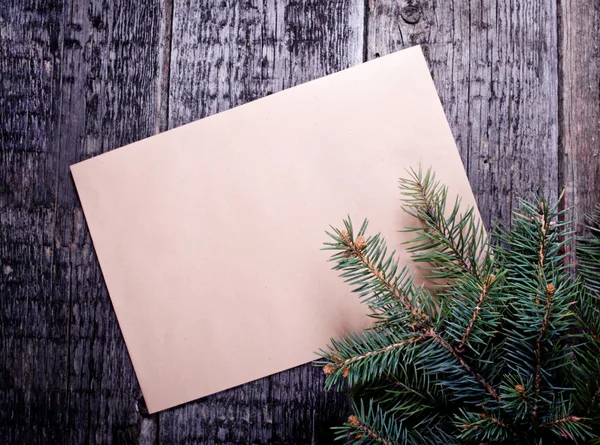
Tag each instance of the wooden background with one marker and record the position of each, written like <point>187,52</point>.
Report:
<point>519,80</point>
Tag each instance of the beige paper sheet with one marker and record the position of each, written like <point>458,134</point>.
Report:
<point>209,235</point>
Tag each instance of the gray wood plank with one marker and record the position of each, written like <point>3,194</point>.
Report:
<point>495,67</point>
<point>111,92</point>
<point>33,315</point>
<point>83,77</point>
<point>580,106</point>
<point>224,54</point>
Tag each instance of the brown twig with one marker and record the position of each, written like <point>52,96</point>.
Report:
<point>350,361</point>
<point>540,339</point>
<point>593,401</point>
<point>441,230</point>
<point>498,422</point>
<point>356,250</point>
<point>542,251</point>
<point>476,310</point>
<point>549,293</point>
<point>494,420</point>
<point>463,362</point>
<point>563,420</point>
<point>353,420</point>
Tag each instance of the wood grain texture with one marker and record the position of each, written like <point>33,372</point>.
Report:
<point>110,90</point>
<point>225,54</point>
<point>495,67</point>
<point>82,78</point>
<point>34,312</point>
<point>580,106</point>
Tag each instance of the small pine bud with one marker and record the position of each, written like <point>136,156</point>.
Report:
<point>358,436</point>
<point>345,372</point>
<point>575,418</point>
<point>520,389</point>
<point>550,288</point>
<point>484,416</point>
<point>552,223</point>
<point>328,369</point>
<point>348,254</point>
<point>345,236</point>
<point>353,420</point>
<point>360,243</point>
<point>490,279</point>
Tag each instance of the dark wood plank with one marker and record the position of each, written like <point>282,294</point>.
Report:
<point>224,54</point>
<point>80,78</point>
<point>495,66</point>
<point>111,93</point>
<point>84,77</point>
<point>34,316</point>
<point>580,106</point>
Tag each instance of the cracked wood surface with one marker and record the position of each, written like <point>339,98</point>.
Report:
<point>519,81</point>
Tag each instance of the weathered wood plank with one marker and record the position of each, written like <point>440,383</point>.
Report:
<point>79,78</point>
<point>580,106</point>
<point>495,66</point>
<point>33,316</point>
<point>223,55</point>
<point>111,89</point>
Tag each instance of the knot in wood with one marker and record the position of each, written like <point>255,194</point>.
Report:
<point>411,14</point>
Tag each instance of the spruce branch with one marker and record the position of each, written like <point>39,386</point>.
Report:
<point>459,356</point>
<point>503,348</point>
<point>356,249</point>
<point>563,420</point>
<point>477,309</point>
<point>453,245</point>
<point>542,336</point>
<point>370,424</point>
<point>481,426</point>
<point>353,420</point>
<point>366,267</point>
<point>348,358</point>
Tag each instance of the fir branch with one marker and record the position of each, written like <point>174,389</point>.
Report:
<point>569,427</point>
<point>479,427</point>
<point>536,334</point>
<point>516,395</point>
<point>343,364</point>
<point>497,334</point>
<point>356,248</point>
<point>453,244</point>
<point>354,255</point>
<point>494,420</point>
<point>484,290</point>
<point>550,289</point>
<point>593,401</point>
<point>559,421</point>
<point>371,424</point>
<point>363,429</point>
<point>481,379</point>
<point>542,252</point>
<point>587,309</point>
<point>366,356</point>
<point>364,263</point>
